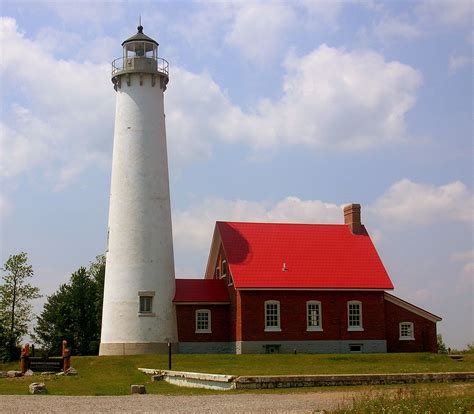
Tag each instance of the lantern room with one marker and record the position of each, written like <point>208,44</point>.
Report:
<point>140,55</point>
<point>140,46</point>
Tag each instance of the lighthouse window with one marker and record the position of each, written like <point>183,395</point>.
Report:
<point>203,321</point>
<point>146,304</point>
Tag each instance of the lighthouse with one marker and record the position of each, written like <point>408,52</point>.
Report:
<point>138,314</point>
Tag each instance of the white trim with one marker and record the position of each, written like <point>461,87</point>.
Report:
<point>203,311</point>
<point>412,329</point>
<point>276,328</point>
<point>201,303</point>
<point>355,328</point>
<point>213,254</point>
<point>412,308</point>
<point>146,293</point>
<point>314,328</point>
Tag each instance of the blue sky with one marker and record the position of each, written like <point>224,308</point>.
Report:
<point>276,111</point>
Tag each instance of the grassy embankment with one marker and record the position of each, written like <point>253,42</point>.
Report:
<point>416,399</point>
<point>114,375</point>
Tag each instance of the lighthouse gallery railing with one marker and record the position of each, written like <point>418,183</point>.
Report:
<point>140,63</point>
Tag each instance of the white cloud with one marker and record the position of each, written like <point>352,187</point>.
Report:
<point>193,228</point>
<point>69,112</point>
<point>258,29</point>
<point>407,203</point>
<point>394,28</point>
<point>422,18</point>
<point>458,62</point>
<point>333,99</point>
<point>404,204</point>
<point>322,12</point>
<point>449,12</point>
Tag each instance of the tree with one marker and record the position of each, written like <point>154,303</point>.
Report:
<point>97,273</point>
<point>74,312</point>
<point>441,345</point>
<point>15,302</point>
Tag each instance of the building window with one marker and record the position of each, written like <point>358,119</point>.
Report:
<point>272,316</point>
<point>146,303</point>
<point>203,321</point>
<point>406,331</point>
<point>354,316</point>
<point>313,316</point>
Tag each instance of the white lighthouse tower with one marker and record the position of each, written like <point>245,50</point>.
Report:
<point>138,314</point>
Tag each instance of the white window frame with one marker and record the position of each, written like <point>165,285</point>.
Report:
<point>411,331</point>
<point>203,330</point>
<point>360,326</point>
<point>319,326</point>
<point>277,327</point>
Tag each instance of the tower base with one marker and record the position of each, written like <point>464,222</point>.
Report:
<point>136,348</point>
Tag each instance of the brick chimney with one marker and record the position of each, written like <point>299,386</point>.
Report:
<point>352,218</point>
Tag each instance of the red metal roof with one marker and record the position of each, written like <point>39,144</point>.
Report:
<point>201,290</point>
<point>316,256</point>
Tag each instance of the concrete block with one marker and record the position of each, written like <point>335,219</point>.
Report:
<point>137,389</point>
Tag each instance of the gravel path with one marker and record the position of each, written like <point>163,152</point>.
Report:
<point>241,403</point>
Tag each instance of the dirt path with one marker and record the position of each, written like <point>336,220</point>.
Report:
<point>236,403</point>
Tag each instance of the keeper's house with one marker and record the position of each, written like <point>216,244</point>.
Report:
<point>315,288</point>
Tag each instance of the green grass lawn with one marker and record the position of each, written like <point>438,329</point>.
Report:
<point>114,375</point>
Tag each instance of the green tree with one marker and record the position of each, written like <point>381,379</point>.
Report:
<point>441,345</point>
<point>16,295</point>
<point>97,273</point>
<point>74,312</point>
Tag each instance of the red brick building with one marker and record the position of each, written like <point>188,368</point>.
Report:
<point>315,288</point>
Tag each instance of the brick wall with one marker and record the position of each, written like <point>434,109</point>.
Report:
<point>424,331</point>
<point>293,315</point>
<point>186,316</point>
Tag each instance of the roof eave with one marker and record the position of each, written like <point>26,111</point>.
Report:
<point>412,308</point>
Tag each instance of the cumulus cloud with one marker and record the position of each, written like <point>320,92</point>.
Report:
<point>265,21</point>
<point>193,228</point>
<point>332,99</point>
<point>69,105</point>
<point>408,203</point>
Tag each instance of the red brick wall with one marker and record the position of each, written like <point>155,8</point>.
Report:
<point>424,331</point>
<point>186,316</point>
<point>293,315</point>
